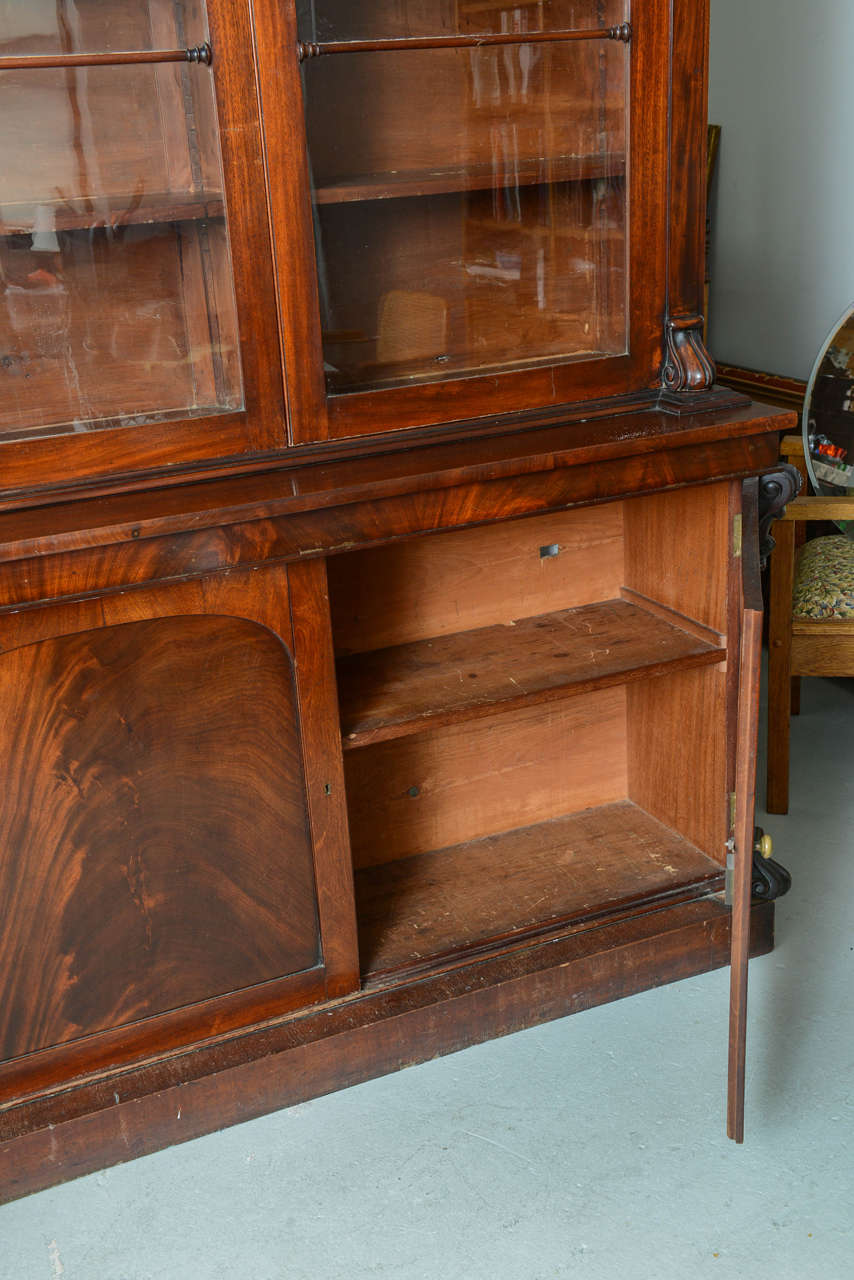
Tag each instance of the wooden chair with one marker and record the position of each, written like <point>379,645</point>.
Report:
<point>811,625</point>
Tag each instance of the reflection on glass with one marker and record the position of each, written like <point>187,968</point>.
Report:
<point>116,294</point>
<point>470,203</point>
<point>829,414</point>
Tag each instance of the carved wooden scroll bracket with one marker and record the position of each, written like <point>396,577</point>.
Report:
<point>776,489</point>
<point>688,372</point>
<point>687,364</point>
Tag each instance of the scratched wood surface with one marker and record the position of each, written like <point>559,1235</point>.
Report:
<point>397,691</point>
<point>577,868</point>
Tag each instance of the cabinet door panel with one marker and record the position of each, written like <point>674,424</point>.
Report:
<point>483,240</point>
<point>156,853</point>
<point>745,783</point>
<point>173,846</point>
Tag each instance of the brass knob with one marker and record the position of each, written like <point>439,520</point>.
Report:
<point>765,846</point>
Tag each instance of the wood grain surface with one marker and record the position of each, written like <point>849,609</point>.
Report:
<point>154,835</point>
<point>458,783</point>
<point>393,692</point>
<point>749,659</point>
<point>573,869</point>
<point>234,1080</point>
<point>473,578</point>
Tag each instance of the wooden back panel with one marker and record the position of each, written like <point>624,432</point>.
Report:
<point>437,789</point>
<point>480,577</point>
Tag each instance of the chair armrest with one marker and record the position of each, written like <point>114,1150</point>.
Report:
<point>819,508</point>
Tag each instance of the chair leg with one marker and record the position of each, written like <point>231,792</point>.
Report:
<point>796,695</point>
<point>779,695</point>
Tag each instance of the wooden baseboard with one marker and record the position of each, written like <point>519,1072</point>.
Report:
<point>105,1122</point>
<point>771,388</point>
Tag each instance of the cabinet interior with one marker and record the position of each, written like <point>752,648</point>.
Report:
<point>534,718</point>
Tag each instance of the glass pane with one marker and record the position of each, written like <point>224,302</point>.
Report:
<point>322,20</point>
<point>470,203</point>
<point>116,293</point>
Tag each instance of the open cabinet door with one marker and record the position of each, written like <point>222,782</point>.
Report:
<point>745,782</point>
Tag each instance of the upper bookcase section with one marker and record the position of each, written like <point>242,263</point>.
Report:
<point>483,187</point>
<point>229,227</point>
<point>122,251</point>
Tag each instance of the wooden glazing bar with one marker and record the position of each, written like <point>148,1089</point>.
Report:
<point>198,53</point>
<point>306,49</point>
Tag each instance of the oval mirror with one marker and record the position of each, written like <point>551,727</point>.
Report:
<point>828,422</point>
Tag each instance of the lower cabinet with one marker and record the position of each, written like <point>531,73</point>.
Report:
<point>537,720</point>
<point>423,787</point>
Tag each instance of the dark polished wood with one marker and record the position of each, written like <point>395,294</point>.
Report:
<point>290,1061</point>
<point>240,807</point>
<point>772,388</point>
<point>321,743</point>
<point>198,53</point>
<point>688,367</point>
<point>139,847</point>
<point>360,523</point>
<point>687,161</point>
<point>182,440</point>
<point>647,450</point>
<point>305,49</point>
<point>750,647</point>
<point>236,879</point>
<point>355,415</point>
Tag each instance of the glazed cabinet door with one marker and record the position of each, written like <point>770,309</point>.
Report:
<point>173,854</point>
<point>137,309</point>
<point>464,229</point>
<point>741,855</point>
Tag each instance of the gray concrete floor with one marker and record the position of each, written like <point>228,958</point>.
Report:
<point>592,1147</point>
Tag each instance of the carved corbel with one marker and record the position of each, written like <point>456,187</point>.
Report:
<point>776,488</point>
<point>688,366</point>
<point>770,879</point>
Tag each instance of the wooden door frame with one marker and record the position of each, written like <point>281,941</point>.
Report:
<point>661,207</point>
<point>30,465</point>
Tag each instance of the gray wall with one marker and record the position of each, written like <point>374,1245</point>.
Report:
<point>782,87</point>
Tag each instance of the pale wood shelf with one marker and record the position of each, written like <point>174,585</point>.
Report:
<point>389,693</point>
<point>561,874</point>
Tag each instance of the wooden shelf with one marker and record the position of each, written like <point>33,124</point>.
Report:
<point>109,211</point>
<point>389,693</point>
<point>563,874</point>
<point>481,177</point>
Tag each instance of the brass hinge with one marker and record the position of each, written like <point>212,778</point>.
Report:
<point>730,852</point>
<point>729,875</point>
<point>736,536</point>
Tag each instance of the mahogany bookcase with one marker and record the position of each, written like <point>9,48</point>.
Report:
<point>379,607</point>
